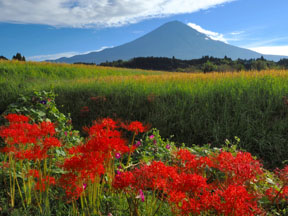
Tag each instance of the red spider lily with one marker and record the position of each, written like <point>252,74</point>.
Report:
<point>277,195</point>
<point>15,118</point>
<point>28,141</point>
<point>188,192</point>
<point>88,166</point>
<point>156,176</point>
<point>191,163</point>
<point>274,195</point>
<point>105,142</point>
<point>34,173</point>
<point>135,126</point>
<point>41,184</point>
<point>24,133</point>
<point>282,174</point>
<point>4,165</point>
<point>98,98</point>
<point>183,184</point>
<point>235,200</point>
<point>124,180</point>
<point>190,183</point>
<point>41,181</point>
<point>35,153</point>
<point>47,128</point>
<point>73,188</point>
<point>101,126</point>
<point>51,142</point>
<point>240,168</point>
<point>84,109</point>
<point>89,162</point>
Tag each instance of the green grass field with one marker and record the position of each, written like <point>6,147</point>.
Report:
<point>195,108</point>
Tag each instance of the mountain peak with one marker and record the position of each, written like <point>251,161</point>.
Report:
<point>170,39</point>
<point>174,22</point>
<point>174,25</point>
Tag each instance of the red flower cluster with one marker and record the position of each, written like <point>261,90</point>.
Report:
<point>279,194</point>
<point>135,126</point>
<point>41,181</point>
<point>149,177</point>
<point>235,200</point>
<point>190,163</point>
<point>283,174</point>
<point>188,192</point>
<point>239,169</point>
<point>28,141</point>
<point>98,99</point>
<point>15,118</point>
<point>217,184</point>
<point>89,161</point>
<point>84,110</point>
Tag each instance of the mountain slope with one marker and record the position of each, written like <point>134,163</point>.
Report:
<point>171,39</point>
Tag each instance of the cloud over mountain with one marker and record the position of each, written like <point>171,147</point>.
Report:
<point>211,34</point>
<point>91,13</point>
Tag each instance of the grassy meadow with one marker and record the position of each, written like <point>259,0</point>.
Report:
<point>195,108</point>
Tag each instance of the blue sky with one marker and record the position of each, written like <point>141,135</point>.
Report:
<point>50,29</point>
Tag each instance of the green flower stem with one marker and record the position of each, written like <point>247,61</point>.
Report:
<point>12,180</point>
<point>20,192</point>
<point>25,189</point>
<point>75,209</point>
<point>29,191</point>
<point>37,201</point>
<point>159,206</point>
<point>40,181</point>
<point>153,202</point>
<point>86,203</point>
<point>82,204</point>
<point>129,156</point>
<point>45,167</point>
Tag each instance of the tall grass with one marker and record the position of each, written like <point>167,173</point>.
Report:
<point>196,108</point>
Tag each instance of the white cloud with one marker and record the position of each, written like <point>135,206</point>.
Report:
<point>91,13</point>
<point>51,56</point>
<point>60,55</point>
<point>267,42</point>
<point>211,34</point>
<point>271,50</point>
<point>237,32</point>
<point>238,36</point>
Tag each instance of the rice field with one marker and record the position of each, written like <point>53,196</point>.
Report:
<point>195,108</point>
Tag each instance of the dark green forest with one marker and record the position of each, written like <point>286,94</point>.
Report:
<point>18,57</point>
<point>204,64</point>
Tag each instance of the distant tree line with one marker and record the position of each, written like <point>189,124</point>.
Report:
<point>3,58</point>
<point>204,64</point>
<point>18,57</point>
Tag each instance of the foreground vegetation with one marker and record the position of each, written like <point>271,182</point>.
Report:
<point>123,168</point>
<point>195,108</point>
